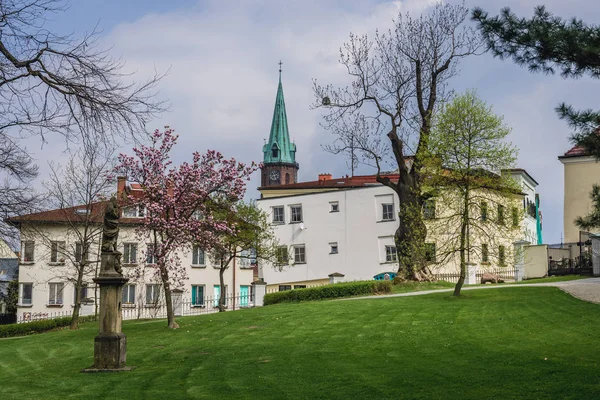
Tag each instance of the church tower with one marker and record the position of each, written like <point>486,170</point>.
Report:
<point>279,160</point>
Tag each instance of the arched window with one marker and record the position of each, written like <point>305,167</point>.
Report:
<point>287,179</point>
<point>275,150</point>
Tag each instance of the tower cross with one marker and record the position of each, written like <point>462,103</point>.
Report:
<point>280,63</point>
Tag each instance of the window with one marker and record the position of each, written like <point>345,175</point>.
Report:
<point>150,254</point>
<point>278,217</point>
<point>83,294</point>
<point>129,294</point>
<point>197,295</point>
<point>299,286</point>
<point>484,211</point>
<point>197,255</point>
<point>283,288</point>
<point>334,206</point>
<point>56,293</point>
<point>501,255</point>
<point>515,217</point>
<point>152,293</point>
<point>275,151</point>
<point>500,214</point>
<point>137,211</point>
<point>282,255</point>
<point>25,293</point>
<point>244,258</point>
<point>129,253</point>
<point>299,254</point>
<point>390,254</point>
<point>27,249</point>
<point>430,253</point>
<point>387,212</point>
<point>296,212</point>
<point>80,255</point>
<point>287,179</point>
<point>333,248</point>
<point>429,209</point>
<point>217,291</point>
<point>484,253</point>
<point>57,251</point>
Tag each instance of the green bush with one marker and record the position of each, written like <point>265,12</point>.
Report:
<point>345,289</point>
<point>44,325</point>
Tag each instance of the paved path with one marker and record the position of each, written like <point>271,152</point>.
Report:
<point>584,289</point>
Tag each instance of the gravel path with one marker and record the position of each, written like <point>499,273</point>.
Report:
<point>584,289</point>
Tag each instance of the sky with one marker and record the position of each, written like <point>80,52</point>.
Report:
<point>222,63</point>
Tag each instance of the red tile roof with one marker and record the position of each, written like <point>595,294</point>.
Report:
<point>335,183</point>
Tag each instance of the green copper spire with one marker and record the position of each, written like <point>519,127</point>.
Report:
<point>279,149</point>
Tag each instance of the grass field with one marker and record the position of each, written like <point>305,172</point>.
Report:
<point>515,343</point>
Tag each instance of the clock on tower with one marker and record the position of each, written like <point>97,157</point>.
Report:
<point>274,177</point>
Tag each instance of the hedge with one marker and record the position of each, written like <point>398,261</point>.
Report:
<point>337,290</point>
<point>44,325</point>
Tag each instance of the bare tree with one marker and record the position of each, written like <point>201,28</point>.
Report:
<point>77,191</point>
<point>386,113</point>
<point>52,84</point>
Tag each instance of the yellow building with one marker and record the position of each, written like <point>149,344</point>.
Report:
<point>581,172</point>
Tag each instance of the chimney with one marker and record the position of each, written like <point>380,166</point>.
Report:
<point>121,182</point>
<point>325,177</point>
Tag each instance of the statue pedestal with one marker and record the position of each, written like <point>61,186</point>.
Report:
<point>110,346</point>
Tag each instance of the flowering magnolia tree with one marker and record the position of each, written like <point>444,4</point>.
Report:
<point>179,203</point>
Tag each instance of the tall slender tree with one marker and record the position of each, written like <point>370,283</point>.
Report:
<point>468,153</point>
<point>385,115</point>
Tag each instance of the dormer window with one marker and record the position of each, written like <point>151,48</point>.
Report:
<point>275,150</point>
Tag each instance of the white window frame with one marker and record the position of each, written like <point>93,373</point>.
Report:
<point>25,246</point>
<point>56,293</point>
<point>150,256</point>
<point>278,220</point>
<point>152,294</point>
<point>299,254</point>
<point>128,296</point>
<point>127,253</point>
<point>136,211</point>
<point>22,299</point>
<point>294,217</point>
<point>196,257</point>
<point>57,251</point>
<point>202,302</point>
<point>84,291</point>
<point>387,211</point>
<point>391,255</point>
<point>78,254</point>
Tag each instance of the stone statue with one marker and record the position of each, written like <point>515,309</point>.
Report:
<point>110,232</point>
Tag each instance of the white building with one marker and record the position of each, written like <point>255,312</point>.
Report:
<point>49,248</point>
<point>346,226</point>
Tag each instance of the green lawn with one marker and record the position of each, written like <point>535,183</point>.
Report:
<point>515,343</point>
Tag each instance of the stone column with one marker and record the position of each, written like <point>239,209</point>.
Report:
<point>336,277</point>
<point>519,248</point>
<point>471,276</point>
<point>260,289</point>
<point>177,301</point>
<point>595,254</point>
<point>110,345</point>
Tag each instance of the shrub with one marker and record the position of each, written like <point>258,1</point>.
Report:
<point>44,325</point>
<point>345,289</point>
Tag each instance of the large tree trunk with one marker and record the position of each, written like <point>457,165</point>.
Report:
<point>164,274</point>
<point>78,285</point>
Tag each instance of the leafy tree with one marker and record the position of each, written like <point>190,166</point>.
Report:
<point>385,115</point>
<point>11,297</point>
<point>177,202</point>
<point>547,43</point>
<point>468,154</point>
<point>251,236</point>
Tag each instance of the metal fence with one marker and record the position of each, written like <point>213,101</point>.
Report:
<point>571,258</point>
<point>506,274</point>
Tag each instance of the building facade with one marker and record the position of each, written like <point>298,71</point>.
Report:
<point>581,172</point>
<point>347,226</point>
<point>50,247</point>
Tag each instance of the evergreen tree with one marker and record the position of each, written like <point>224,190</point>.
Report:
<point>547,43</point>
